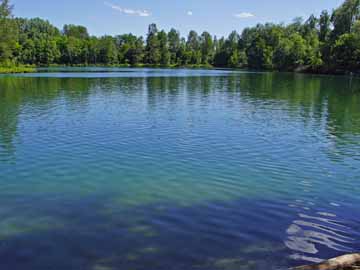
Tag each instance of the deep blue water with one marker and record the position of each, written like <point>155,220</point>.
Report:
<point>151,169</point>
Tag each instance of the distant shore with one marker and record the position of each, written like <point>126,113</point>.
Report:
<point>17,69</point>
<point>34,69</point>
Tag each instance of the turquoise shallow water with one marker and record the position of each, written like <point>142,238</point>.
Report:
<point>177,169</point>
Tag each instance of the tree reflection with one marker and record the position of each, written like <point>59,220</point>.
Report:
<point>332,100</point>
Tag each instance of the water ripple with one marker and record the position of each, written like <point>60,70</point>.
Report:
<point>177,169</point>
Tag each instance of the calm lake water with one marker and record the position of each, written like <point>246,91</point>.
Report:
<point>152,169</point>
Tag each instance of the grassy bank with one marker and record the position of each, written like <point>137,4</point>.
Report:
<point>30,69</point>
<point>133,66</point>
<point>17,69</point>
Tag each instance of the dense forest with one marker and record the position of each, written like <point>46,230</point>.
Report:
<point>328,43</point>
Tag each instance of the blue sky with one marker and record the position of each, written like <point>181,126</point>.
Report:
<point>124,16</point>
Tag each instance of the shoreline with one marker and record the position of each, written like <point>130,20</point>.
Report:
<point>35,69</point>
<point>16,70</point>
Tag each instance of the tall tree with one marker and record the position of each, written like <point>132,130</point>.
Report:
<point>207,48</point>
<point>108,53</point>
<point>193,47</point>
<point>164,49</point>
<point>345,16</point>
<point>174,45</point>
<point>325,26</point>
<point>153,54</point>
<point>7,32</point>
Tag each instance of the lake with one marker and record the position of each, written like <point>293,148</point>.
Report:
<point>156,169</point>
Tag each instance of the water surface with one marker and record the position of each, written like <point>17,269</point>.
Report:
<point>147,169</point>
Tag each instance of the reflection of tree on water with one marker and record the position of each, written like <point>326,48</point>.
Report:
<point>139,243</point>
<point>328,105</point>
<point>10,103</point>
<point>332,103</point>
<point>162,88</point>
<point>23,95</point>
<point>8,128</point>
<point>316,96</point>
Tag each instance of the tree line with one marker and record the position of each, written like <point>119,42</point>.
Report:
<point>328,43</point>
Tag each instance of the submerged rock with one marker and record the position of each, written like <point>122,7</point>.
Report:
<point>346,262</point>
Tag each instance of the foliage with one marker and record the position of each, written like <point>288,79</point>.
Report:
<point>346,52</point>
<point>8,34</point>
<point>330,42</point>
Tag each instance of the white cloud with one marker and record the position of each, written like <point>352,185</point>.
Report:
<point>141,13</point>
<point>189,13</point>
<point>244,15</point>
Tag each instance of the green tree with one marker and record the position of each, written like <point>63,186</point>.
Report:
<point>108,53</point>
<point>291,53</point>
<point>259,54</point>
<point>207,48</point>
<point>153,54</point>
<point>193,47</point>
<point>313,50</point>
<point>324,36</point>
<point>345,16</point>
<point>92,47</point>
<point>356,28</point>
<point>184,55</point>
<point>234,59</point>
<point>76,31</point>
<point>164,48</point>
<point>174,46</point>
<point>346,52</point>
<point>38,41</point>
<point>325,26</point>
<point>130,49</point>
<point>8,33</point>
<point>136,53</point>
<point>330,43</point>
<point>70,49</point>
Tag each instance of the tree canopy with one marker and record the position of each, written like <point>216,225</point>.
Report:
<point>8,34</point>
<point>330,42</point>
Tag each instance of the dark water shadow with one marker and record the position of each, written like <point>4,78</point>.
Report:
<point>93,233</point>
